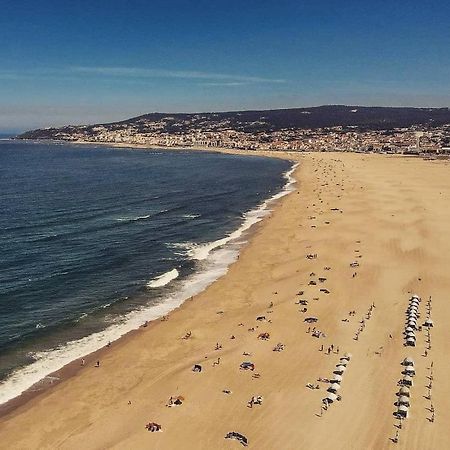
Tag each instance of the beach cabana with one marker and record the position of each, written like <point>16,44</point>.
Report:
<point>407,381</point>
<point>409,371</point>
<point>402,411</point>
<point>334,387</point>
<point>330,398</point>
<point>337,379</point>
<point>403,391</point>
<point>408,361</point>
<point>340,369</point>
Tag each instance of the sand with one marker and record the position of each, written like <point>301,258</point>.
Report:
<point>389,214</point>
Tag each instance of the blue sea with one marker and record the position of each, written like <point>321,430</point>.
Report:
<point>96,240</point>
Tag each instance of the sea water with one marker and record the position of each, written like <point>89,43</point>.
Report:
<point>96,240</point>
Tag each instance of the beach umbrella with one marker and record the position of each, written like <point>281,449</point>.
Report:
<point>403,400</point>
<point>343,362</point>
<point>409,370</point>
<point>415,296</point>
<point>411,342</point>
<point>409,329</point>
<point>428,323</point>
<point>334,387</point>
<point>347,356</point>
<point>404,391</point>
<point>408,361</point>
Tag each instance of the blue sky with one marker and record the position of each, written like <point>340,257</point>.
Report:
<point>77,61</point>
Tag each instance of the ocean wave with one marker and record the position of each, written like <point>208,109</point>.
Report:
<point>133,219</point>
<point>202,251</point>
<point>214,259</point>
<point>164,279</point>
<point>190,216</point>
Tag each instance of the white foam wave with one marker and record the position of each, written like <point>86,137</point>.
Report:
<point>163,279</point>
<point>190,216</point>
<point>214,259</point>
<point>132,219</point>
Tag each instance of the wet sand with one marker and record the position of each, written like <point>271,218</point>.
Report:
<point>388,214</point>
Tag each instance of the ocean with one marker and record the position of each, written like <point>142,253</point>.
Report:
<point>94,241</point>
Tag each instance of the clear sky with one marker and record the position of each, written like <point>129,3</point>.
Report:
<point>86,61</point>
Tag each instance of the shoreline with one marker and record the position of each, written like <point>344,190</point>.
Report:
<point>244,233</point>
<point>388,216</point>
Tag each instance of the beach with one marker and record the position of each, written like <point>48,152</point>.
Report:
<point>349,246</point>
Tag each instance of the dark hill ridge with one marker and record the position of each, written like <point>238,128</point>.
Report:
<point>362,117</point>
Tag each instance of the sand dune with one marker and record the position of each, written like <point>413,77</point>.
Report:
<point>390,215</point>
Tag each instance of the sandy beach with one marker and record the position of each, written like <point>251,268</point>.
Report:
<point>353,242</point>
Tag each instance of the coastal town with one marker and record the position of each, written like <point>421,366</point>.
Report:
<point>266,132</point>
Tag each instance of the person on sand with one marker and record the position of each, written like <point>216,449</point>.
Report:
<point>97,364</point>
<point>83,362</point>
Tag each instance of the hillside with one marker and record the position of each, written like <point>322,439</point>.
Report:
<point>363,118</point>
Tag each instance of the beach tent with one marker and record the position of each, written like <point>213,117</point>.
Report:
<point>404,391</point>
<point>340,369</point>
<point>402,411</point>
<point>408,361</point>
<point>409,370</point>
<point>330,398</point>
<point>334,387</point>
<point>407,380</point>
<point>337,379</point>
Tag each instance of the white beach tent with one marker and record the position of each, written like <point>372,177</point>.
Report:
<point>408,361</point>
<point>402,411</point>
<point>330,398</point>
<point>340,369</point>
<point>403,400</point>
<point>337,379</point>
<point>407,380</point>
<point>404,391</point>
<point>411,342</point>
<point>409,370</point>
<point>334,387</point>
